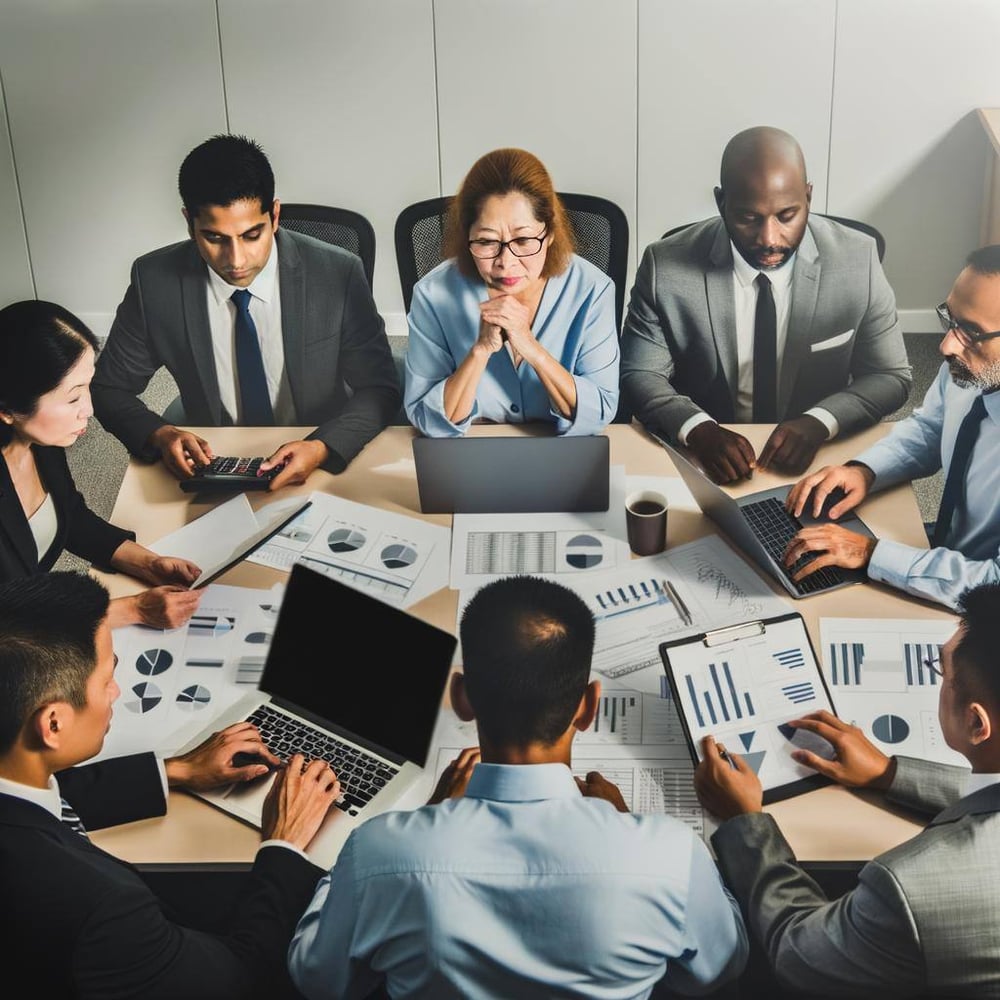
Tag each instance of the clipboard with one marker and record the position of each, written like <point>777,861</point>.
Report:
<point>742,684</point>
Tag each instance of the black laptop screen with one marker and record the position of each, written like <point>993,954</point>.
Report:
<point>369,668</point>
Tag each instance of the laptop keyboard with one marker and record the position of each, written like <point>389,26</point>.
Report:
<point>361,774</point>
<point>775,528</point>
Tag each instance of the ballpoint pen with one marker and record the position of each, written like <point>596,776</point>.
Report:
<point>678,603</point>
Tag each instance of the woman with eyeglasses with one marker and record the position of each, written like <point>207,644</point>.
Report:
<point>513,326</point>
<point>46,364</point>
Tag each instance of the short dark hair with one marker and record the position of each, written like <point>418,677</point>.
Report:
<point>40,342</point>
<point>48,626</point>
<point>978,645</point>
<point>527,645</point>
<point>507,171</point>
<point>224,169</point>
<point>985,260</point>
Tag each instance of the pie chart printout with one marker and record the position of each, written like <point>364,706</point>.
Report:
<point>345,540</point>
<point>398,556</point>
<point>194,698</point>
<point>153,662</point>
<point>584,552</point>
<point>147,697</point>
<point>890,729</point>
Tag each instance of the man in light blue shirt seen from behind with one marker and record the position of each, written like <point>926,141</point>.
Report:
<point>965,549</point>
<point>517,879</point>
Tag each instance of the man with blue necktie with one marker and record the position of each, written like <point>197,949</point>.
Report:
<point>956,430</point>
<point>257,325</point>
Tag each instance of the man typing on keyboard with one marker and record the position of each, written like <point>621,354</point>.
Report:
<point>956,429</point>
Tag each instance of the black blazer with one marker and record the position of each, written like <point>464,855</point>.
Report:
<point>78,922</point>
<point>80,530</point>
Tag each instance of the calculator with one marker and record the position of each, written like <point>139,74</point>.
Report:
<point>229,473</point>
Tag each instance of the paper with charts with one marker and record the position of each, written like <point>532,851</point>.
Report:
<point>396,558</point>
<point>172,681</point>
<point>484,546</point>
<point>878,678</point>
<point>636,741</point>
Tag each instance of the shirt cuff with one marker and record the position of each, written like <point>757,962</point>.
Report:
<point>285,844</point>
<point>827,419</point>
<point>162,771</point>
<point>690,424</point>
<point>890,563</point>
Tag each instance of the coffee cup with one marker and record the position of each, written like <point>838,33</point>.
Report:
<point>646,520</point>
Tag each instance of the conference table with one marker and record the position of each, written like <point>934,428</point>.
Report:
<point>827,825</point>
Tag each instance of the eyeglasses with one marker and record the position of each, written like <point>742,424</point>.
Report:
<point>520,246</point>
<point>965,335</point>
<point>932,666</point>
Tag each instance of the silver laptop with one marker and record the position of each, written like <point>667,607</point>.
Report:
<point>759,525</point>
<point>367,704</point>
<point>512,475</point>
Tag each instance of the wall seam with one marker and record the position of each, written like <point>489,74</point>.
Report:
<point>437,98</point>
<point>833,92</point>
<point>222,64</point>
<point>17,188</point>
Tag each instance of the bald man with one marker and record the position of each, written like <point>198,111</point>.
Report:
<point>814,346</point>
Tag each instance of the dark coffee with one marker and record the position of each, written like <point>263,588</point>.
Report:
<point>646,507</point>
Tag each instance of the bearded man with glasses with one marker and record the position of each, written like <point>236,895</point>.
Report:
<point>956,429</point>
<point>513,326</point>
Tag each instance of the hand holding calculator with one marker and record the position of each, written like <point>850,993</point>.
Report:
<point>229,473</point>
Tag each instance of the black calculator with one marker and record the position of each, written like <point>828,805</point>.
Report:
<point>229,474</point>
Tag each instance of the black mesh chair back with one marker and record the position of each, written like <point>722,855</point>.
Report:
<point>862,227</point>
<point>419,235</point>
<point>339,226</point>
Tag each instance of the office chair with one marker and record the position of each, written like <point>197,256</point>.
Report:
<point>339,226</point>
<point>599,227</point>
<point>861,227</point>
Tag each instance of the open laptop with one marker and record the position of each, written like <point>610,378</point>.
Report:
<point>512,475</point>
<point>371,715</point>
<point>759,525</point>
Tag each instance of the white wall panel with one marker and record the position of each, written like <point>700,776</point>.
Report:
<point>104,100</point>
<point>908,152</point>
<point>707,70</point>
<point>556,78</point>
<point>15,272</point>
<point>341,95</point>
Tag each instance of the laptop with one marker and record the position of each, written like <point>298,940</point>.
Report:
<point>512,475</point>
<point>371,715</point>
<point>761,528</point>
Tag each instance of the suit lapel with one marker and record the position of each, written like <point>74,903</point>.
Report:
<point>804,292</point>
<point>14,524</point>
<point>722,309</point>
<point>292,287</point>
<point>199,331</point>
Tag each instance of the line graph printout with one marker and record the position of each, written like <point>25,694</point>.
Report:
<point>881,676</point>
<point>397,558</point>
<point>176,679</point>
<point>634,611</point>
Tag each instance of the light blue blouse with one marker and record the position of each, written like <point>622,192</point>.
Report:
<point>575,323</point>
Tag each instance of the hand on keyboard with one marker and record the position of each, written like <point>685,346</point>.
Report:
<point>823,545</point>
<point>298,801</point>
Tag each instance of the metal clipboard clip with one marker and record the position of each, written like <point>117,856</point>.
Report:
<point>733,632</point>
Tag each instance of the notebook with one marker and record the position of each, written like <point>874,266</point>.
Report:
<point>761,528</point>
<point>350,679</point>
<point>512,475</point>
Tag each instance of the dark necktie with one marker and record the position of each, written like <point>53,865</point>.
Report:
<point>765,355</point>
<point>70,818</point>
<point>954,486</point>
<point>254,397</point>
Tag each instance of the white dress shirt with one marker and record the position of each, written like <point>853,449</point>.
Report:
<point>265,310</point>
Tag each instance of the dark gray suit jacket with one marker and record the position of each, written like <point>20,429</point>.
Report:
<point>844,349</point>
<point>923,920</point>
<point>337,358</point>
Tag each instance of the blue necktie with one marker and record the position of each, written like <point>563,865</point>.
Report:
<point>70,818</point>
<point>954,485</point>
<point>254,397</point>
<point>765,355</point>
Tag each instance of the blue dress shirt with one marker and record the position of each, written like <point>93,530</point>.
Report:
<point>522,888</point>
<point>575,323</point>
<point>919,446</point>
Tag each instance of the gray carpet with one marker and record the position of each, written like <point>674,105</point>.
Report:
<point>98,460</point>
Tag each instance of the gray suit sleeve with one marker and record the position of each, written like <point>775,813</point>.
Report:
<point>646,363</point>
<point>367,368</point>
<point>124,367</point>
<point>927,786</point>
<point>881,377</point>
<point>863,943</point>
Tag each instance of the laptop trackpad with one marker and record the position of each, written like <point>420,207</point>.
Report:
<point>248,796</point>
